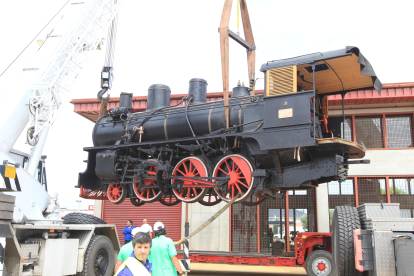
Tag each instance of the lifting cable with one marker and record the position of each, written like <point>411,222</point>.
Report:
<point>107,70</point>
<point>110,47</point>
<point>34,38</point>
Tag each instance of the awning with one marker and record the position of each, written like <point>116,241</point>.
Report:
<point>337,71</point>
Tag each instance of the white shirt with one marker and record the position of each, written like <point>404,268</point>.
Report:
<point>146,228</point>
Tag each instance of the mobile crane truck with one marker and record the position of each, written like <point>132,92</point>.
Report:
<point>34,240</point>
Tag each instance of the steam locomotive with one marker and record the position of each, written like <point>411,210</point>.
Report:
<point>281,140</point>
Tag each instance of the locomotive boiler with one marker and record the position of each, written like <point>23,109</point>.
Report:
<point>281,140</point>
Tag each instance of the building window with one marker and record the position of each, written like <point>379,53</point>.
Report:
<point>344,188</point>
<point>298,192</point>
<point>401,186</point>
<point>369,131</point>
<point>399,131</point>
<point>348,129</point>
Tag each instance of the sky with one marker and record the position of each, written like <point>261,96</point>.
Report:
<point>170,42</point>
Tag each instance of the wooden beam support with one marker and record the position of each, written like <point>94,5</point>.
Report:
<point>224,48</point>
<point>251,55</point>
<point>103,110</point>
<point>248,43</point>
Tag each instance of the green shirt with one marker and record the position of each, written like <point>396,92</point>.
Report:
<point>162,250</point>
<point>125,252</point>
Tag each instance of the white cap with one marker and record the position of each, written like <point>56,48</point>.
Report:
<point>135,230</point>
<point>158,225</point>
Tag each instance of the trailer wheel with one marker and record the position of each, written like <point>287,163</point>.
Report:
<point>345,220</point>
<point>80,218</point>
<point>319,263</point>
<point>99,257</point>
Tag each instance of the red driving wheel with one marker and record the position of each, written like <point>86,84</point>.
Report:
<point>240,169</point>
<point>169,200</point>
<point>210,199</point>
<point>190,167</point>
<point>116,193</point>
<point>148,194</point>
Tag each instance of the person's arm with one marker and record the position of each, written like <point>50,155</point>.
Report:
<point>125,231</point>
<point>117,265</point>
<point>177,265</point>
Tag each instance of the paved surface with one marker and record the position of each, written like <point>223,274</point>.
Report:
<point>235,270</point>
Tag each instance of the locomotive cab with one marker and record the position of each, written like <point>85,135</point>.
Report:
<point>318,75</point>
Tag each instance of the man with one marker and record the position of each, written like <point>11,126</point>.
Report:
<point>137,264</point>
<point>146,228</point>
<point>127,231</point>
<point>126,250</point>
<point>163,253</point>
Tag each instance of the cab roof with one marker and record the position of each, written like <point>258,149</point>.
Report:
<point>337,71</point>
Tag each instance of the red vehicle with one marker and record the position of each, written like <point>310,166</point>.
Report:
<point>313,251</point>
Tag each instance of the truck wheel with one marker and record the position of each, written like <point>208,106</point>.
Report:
<point>345,220</point>
<point>99,257</point>
<point>81,218</point>
<point>319,263</point>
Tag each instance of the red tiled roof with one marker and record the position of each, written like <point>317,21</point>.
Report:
<point>391,93</point>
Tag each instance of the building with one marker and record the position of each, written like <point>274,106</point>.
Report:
<point>382,123</point>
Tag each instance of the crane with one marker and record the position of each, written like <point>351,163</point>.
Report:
<point>32,226</point>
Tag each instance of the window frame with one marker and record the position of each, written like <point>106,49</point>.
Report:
<point>383,125</point>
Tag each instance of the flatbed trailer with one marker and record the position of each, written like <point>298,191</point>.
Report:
<point>312,251</point>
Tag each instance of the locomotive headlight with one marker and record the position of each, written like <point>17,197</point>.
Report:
<point>45,235</point>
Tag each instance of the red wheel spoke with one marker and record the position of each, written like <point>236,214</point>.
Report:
<point>242,184</point>
<point>185,168</point>
<point>232,191</point>
<point>188,192</point>
<point>237,186</point>
<point>233,165</point>
<point>228,168</point>
<point>195,192</point>
<point>194,170</point>
<point>181,172</point>
<point>223,170</point>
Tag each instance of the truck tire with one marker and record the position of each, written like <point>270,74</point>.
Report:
<point>319,263</point>
<point>80,218</point>
<point>99,257</point>
<point>345,220</point>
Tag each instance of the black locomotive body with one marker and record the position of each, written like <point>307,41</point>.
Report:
<point>278,141</point>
